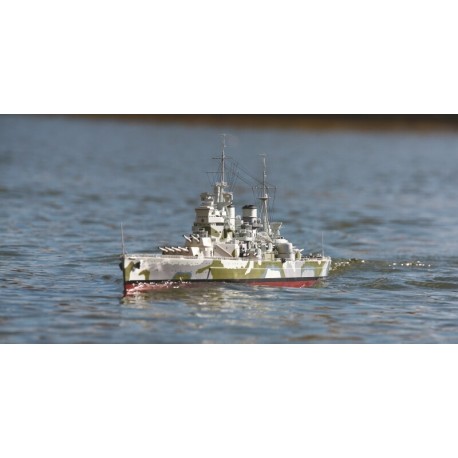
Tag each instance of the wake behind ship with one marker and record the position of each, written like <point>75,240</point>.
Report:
<point>223,248</point>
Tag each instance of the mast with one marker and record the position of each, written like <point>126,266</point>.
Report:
<point>223,157</point>
<point>265,198</point>
<point>220,185</point>
<point>122,240</point>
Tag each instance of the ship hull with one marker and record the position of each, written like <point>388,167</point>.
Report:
<point>143,272</point>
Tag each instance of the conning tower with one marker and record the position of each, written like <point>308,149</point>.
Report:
<point>215,217</point>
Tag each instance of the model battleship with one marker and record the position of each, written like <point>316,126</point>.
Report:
<point>225,248</point>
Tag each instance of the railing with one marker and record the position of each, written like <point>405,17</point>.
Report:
<point>247,258</point>
<point>175,256</point>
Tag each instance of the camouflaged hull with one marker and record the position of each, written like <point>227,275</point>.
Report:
<point>143,272</point>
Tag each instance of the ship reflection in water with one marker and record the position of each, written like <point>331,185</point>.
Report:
<point>224,314</point>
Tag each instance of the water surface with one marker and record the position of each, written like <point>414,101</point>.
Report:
<point>385,202</point>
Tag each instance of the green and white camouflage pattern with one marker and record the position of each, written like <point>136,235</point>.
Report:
<point>147,269</point>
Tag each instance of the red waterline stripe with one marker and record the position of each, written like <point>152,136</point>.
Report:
<point>148,286</point>
<point>288,284</point>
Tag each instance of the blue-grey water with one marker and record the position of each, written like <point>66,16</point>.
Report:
<point>386,203</point>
